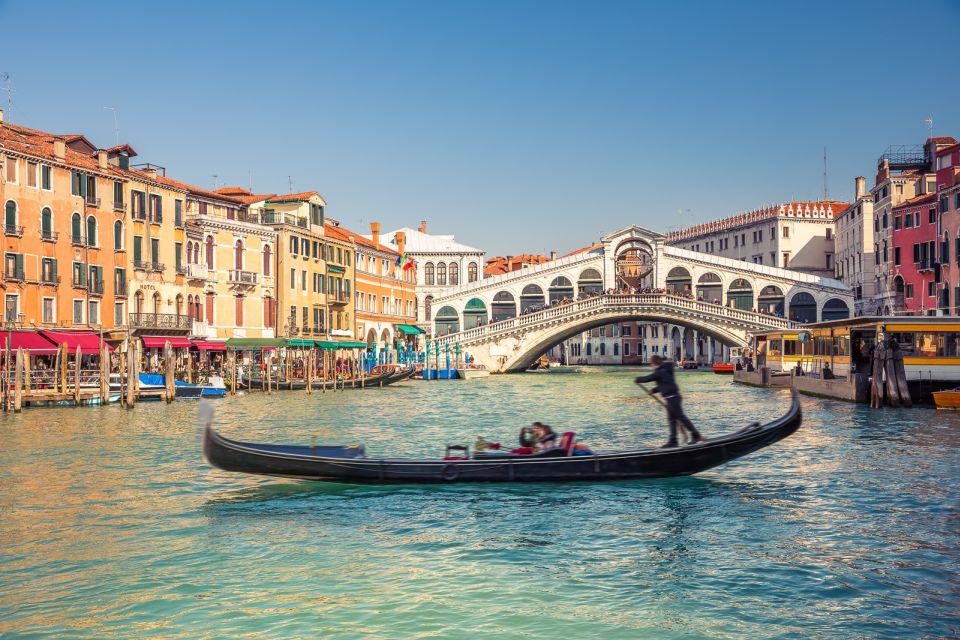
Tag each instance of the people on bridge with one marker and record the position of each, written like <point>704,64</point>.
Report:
<point>666,386</point>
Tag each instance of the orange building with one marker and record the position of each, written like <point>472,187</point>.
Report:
<point>386,301</point>
<point>61,197</point>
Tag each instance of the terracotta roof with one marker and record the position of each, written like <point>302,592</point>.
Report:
<point>197,191</point>
<point>592,247</point>
<point>233,191</point>
<point>794,209</point>
<point>505,264</point>
<point>349,235</point>
<point>949,149</point>
<point>942,140</point>
<point>923,198</point>
<point>296,197</point>
<point>117,148</point>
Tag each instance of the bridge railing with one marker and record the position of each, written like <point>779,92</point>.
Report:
<point>759,320</point>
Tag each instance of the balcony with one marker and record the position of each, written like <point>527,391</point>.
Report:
<point>141,265</point>
<point>273,217</point>
<point>14,274</point>
<point>925,265</point>
<point>181,269</point>
<point>338,297</point>
<point>50,280</point>
<point>160,321</point>
<point>120,288</point>
<point>197,272</point>
<point>78,241</point>
<point>13,231</point>
<point>119,207</point>
<point>238,276</point>
<point>49,236</point>
<point>95,287</point>
<point>156,267</point>
<point>92,202</point>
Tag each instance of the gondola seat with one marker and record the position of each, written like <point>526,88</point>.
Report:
<point>566,442</point>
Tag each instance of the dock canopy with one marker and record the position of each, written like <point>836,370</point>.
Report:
<point>409,329</point>
<point>256,343</point>
<point>210,345</point>
<point>88,341</point>
<point>157,342</point>
<point>30,341</point>
<point>300,343</point>
<point>350,344</point>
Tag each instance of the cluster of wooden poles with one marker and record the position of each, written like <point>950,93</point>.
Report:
<point>889,383</point>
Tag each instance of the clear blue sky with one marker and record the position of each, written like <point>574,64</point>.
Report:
<point>518,126</point>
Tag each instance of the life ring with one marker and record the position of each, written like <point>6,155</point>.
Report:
<point>450,472</point>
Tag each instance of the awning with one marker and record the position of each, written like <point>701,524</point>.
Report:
<point>158,342</point>
<point>300,343</point>
<point>88,341</point>
<point>332,268</point>
<point>209,345</point>
<point>30,341</point>
<point>348,344</point>
<point>409,329</point>
<point>256,343</point>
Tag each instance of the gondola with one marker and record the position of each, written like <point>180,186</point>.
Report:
<point>375,381</point>
<point>349,464</point>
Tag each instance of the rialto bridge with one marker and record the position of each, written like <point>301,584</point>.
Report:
<point>506,322</point>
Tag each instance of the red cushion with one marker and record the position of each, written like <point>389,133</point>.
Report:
<point>522,450</point>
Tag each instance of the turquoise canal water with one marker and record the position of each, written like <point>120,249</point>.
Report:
<point>113,527</point>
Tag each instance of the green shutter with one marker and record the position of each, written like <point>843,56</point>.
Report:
<point>19,266</point>
<point>137,248</point>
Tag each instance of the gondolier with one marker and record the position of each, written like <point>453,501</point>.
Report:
<point>666,386</point>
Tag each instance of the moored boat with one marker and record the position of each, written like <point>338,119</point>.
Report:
<point>949,399</point>
<point>723,368</point>
<point>381,378</point>
<point>349,463</point>
<point>473,371</point>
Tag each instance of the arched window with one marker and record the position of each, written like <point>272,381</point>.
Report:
<point>441,273</point>
<point>616,348</point>
<point>267,260</point>
<point>454,273</point>
<point>10,216</point>
<point>76,228</point>
<point>190,260</point>
<point>428,273</point>
<point>156,302</point>
<point>92,231</point>
<point>46,223</point>
<point>238,257</point>
<point>427,304</point>
<point>472,272</point>
<point>118,237</point>
<point>179,304</point>
<point>589,349</point>
<point>603,348</point>
<point>209,252</point>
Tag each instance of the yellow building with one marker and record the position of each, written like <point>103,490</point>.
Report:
<point>340,282</point>
<point>229,266</point>
<point>301,284</point>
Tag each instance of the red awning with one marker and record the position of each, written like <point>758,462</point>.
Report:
<point>157,342</point>
<point>30,341</point>
<point>88,341</point>
<point>209,345</point>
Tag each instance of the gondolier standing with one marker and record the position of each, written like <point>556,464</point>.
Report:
<point>666,386</point>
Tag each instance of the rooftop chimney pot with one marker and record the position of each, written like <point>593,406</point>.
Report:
<point>59,149</point>
<point>375,233</point>
<point>423,226</point>
<point>102,158</point>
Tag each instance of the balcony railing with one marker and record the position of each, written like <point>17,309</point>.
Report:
<point>156,267</point>
<point>49,236</point>
<point>14,274</point>
<point>92,202</point>
<point>49,279</point>
<point>274,217</point>
<point>120,206</point>
<point>96,287</point>
<point>120,288</point>
<point>238,276</point>
<point>78,241</point>
<point>338,297</point>
<point>13,230</point>
<point>181,269</point>
<point>160,321</point>
<point>197,271</point>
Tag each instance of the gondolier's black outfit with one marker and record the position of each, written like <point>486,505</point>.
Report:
<point>667,387</point>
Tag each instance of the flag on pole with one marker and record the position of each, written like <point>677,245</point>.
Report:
<point>399,260</point>
<point>410,264</point>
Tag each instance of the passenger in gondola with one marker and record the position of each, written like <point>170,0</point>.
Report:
<point>666,386</point>
<point>546,437</point>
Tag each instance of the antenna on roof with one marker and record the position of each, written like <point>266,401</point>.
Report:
<point>5,77</point>
<point>290,183</point>
<point>250,180</point>
<point>215,185</point>
<point>929,122</point>
<point>116,127</point>
<point>825,198</point>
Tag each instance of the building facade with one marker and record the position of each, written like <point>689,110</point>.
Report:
<point>795,235</point>
<point>341,283</point>
<point>441,263</point>
<point>914,248</point>
<point>229,267</point>
<point>948,205</point>
<point>854,248</point>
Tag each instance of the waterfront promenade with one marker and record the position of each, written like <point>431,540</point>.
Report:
<point>114,527</point>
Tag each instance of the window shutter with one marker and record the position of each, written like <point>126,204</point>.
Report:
<point>20,265</point>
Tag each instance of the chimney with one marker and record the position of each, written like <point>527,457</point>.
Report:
<point>59,149</point>
<point>1,116</point>
<point>401,241</point>
<point>102,158</point>
<point>375,233</point>
<point>423,226</point>
<point>860,186</point>
<point>553,255</point>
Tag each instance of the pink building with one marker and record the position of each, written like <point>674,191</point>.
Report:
<point>914,240</point>
<point>948,204</point>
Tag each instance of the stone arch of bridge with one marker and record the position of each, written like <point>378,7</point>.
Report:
<point>527,354</point>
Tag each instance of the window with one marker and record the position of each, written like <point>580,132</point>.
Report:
<point>267,259</point>
<point>293,316</point>
<point>428,273</point>
<point>49,313</point>
<point>94,312</point>
<point>10,217</point>
<point>118,236</point>
<point>238,255</point>
<point>48,270</point>
<point>294,245</point>
<point>626,349</point>
<point>11,164</point>
<point>238,311</point>
<point>178,255</point>
<point>293,278</point>
<point>909,290</point>
<point>454,273</point>
<point>13,266</point>
<point>932,216</point>
<point>155,252</point>
<point>786,232</point>
<point>46,178</point>
<point>178,212</point>
<point>305,247</point>
<point>472,272</point>
<point>441,273</point>
<point>896,255</point>
<point>209,250</point>
<point>896,222</point>
<point>31,174</point>
<point>156,209</point>
<point>118,315</point>
<point>92,232</point>
<point>76,229</point>
<point>118,195</point>
<point>303,280</point>
<point>12,307</point>
<point>78,312</point>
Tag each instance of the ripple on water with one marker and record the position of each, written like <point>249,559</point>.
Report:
<point>114,527</point>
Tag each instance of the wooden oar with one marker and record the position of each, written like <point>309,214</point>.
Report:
<point>682,429</point>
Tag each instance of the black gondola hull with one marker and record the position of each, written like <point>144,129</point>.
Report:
<point>373,382</point>
<point>317,463</point>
